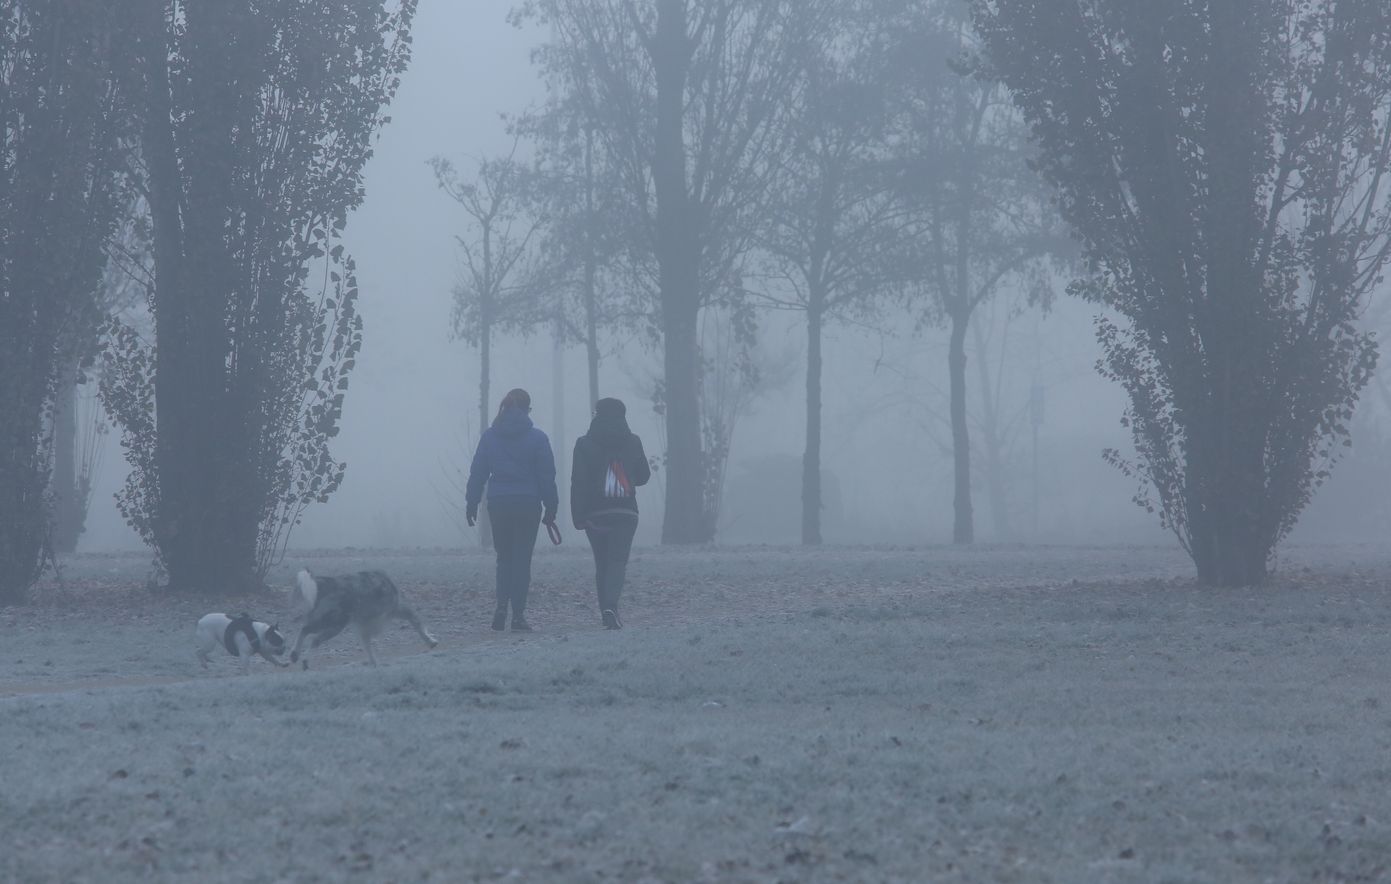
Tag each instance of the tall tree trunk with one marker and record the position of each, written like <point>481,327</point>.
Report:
<point>678,254</point>
<point>170,303</point>
<point>1231,481</point>
<point>591,295</point>
<point>485,368</point>
<point>685,517</point>
<point>21,487</point>
<point>994,445</point>
<point>1225,488</point>
<point>963,527</point>
<point>559,444</point>
<point>23,383</point>
<point>69,500</point>
<point>811,459</point>
<point>207,518</point>
<point>226,548</point>
<point>591,343</point>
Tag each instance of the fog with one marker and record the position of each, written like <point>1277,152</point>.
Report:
<point>1064,690</point>
<point>411,406</point>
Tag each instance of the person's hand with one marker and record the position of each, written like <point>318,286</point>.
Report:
<point>472,515</point>
<point>548,519</point>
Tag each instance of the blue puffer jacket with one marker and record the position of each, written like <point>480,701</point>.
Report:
<point>513,459</point>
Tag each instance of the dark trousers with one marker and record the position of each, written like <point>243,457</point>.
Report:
<point>612,541</point>
<point>516,521</point>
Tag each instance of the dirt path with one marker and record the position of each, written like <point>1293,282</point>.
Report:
<point>103,628</point>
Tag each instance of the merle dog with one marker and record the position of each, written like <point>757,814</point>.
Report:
<point>366,600</point>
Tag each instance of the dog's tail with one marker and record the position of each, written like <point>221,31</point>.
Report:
<point>306,590</point>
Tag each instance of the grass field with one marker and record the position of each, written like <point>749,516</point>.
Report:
<point>1006,714</point>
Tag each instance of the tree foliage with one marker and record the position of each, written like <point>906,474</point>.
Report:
<point>257,119</point>
<point>1225,167</point>
<point>691,100</point>
<point>60,181</point>
<point>79,423</point>
<point>586,262</point>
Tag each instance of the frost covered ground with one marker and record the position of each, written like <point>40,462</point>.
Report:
<point>997,714</point>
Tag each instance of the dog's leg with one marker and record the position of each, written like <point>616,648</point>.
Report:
<point>244,654</point>
<point>366,634</point>
<point>295,653</point>
<point>203,656</point>
<point>299,643</point>
<point>405,613</point>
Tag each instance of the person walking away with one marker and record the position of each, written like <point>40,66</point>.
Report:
<point>609,466</point>
<point>515,462</point>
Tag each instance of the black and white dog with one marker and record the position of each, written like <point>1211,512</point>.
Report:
<point>367,600</point>
<point>241,636</point>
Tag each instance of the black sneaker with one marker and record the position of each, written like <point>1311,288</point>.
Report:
<point>611,620</point>
<point>519,624</point>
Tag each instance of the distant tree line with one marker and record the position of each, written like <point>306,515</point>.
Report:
<point>1211,175</point>
<point>702,161</point>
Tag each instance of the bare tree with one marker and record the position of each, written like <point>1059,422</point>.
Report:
<point>984,215</point>
<point>588,229</point>
<point>1005,407</point>
<point>690,99</point>
<point>499,286</point>
<point>739,370</point>
<point>1225,166</point>
<point>835,226</point>
<point>497,290</point>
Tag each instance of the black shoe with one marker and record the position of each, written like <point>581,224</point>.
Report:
<point>611,620</point>
<point>519,624</point>
<point>500,620</point>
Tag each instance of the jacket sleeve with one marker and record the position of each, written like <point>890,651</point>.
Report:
<point>579,483</point>
<point>478,474</point>
<point>545,476</point>
<point>639,471</point>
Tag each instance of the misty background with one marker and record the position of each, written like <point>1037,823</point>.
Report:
<point>410,419</point>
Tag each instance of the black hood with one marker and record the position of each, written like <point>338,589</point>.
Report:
<point>609,430</point>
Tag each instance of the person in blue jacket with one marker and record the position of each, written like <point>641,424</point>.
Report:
<point>515,462</point>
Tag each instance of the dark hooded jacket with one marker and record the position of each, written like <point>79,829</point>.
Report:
<point>609,466</point>
<point>513,459</point>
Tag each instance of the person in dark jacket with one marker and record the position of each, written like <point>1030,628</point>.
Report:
<point>515,462</point>
<point>609,466</point>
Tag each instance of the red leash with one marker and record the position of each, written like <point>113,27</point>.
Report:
<point>554,531</point>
